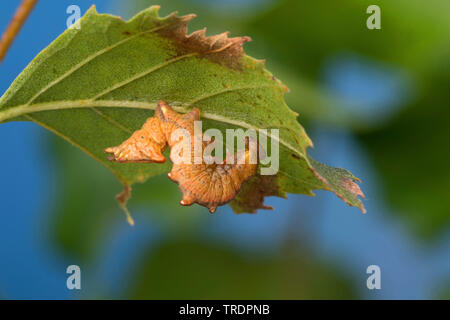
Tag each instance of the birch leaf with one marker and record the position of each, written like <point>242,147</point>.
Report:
<point>95,85</point>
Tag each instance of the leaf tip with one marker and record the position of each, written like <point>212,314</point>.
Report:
<point>186,18</point>
<point>351,186</point>
<point>92,9</point>
<point>340,181</point>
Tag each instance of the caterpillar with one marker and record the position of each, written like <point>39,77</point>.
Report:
<point>209,185</point>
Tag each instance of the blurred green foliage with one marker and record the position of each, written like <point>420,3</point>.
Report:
<point>412,154</point>
<point>444,294</point>
<point>188,269</point>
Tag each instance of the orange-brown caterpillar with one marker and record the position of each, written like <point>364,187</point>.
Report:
<point>210,185</point>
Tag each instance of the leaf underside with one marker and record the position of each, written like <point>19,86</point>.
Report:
<point>95,85</point>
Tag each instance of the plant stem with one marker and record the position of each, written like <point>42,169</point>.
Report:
<point>15,25</point>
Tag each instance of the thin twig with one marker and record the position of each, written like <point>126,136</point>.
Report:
<point>15,25</point>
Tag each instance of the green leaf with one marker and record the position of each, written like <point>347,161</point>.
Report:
<point>95,85</point>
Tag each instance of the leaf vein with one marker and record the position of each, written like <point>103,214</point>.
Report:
<point>208,96</point>
<point>89,59</point>
<point>142,74</point>
<point>111,120</point>
<point>119,177</point>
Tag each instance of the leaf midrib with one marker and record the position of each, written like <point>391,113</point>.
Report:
<point>89,103</point>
